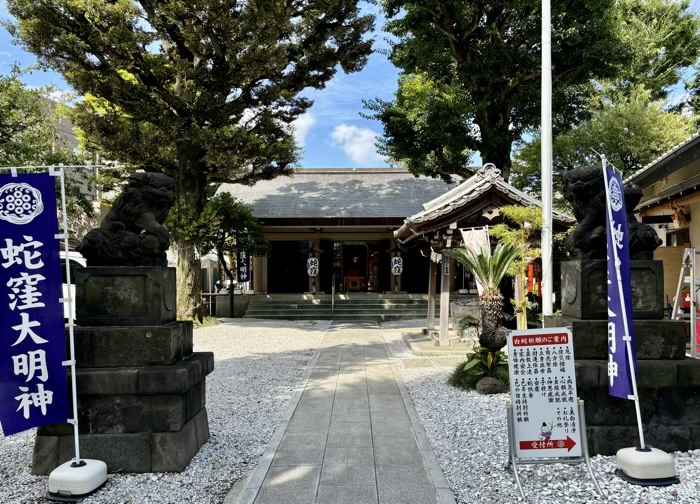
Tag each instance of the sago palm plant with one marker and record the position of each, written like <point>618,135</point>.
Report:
<point>489,269</point>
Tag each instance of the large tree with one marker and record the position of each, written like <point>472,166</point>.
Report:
<point>232,228</point>
<point>29,125</point>
<point>630,131</point>
<point>202,90</point>
<point>470,77</point>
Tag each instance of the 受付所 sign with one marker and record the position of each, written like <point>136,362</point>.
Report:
<point>33,388</point>
<point>543,393</point>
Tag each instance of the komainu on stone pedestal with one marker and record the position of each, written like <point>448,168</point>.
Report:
<point>141,388</point>
<point>132,233</point>
<point>668,382</point>
<point>584,188</point>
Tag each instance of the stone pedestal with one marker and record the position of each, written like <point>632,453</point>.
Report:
<point>668,382</point>
<point>141,389</point>
<point>125,296</point>
<point>584,291</point>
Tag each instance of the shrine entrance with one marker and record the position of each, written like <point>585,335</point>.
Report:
<point>357,266</point>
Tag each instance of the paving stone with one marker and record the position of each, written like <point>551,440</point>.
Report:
<point>347,495</point>
<point>300,449</point>
<point>404,485</point>
<point>348,467</point>
<point>397,450</point>
<point>350,434</point>
<point>290,485</point>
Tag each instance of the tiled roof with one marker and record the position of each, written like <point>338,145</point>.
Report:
<point>339,192</point>
<point>656,163</point>
<point>484,179</point>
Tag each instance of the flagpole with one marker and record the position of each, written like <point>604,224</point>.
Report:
<point>627,339</point>
<point>546,161</point>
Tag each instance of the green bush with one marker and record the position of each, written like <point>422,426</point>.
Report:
<point>467,324</point>
<point>480,364</point>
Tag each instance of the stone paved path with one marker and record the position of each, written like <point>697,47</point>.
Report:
<point>351,436</point>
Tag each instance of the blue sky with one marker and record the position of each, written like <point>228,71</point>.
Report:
<point>332,133</point>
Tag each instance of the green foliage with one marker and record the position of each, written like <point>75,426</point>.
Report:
<point>480,364</point>
<point>29,125</point>
<point>489,269</point>
<point>424,129</point>
<point>663,38</point>
<point>204,91</point>
<point>630,130</point>
<point>470,76</point>
<point>466,322</point>
<point>526,222</point>
<point>483,59</point>
<point>229,227</point>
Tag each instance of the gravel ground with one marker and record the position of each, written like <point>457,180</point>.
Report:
<point>468,435</point>
<point>258,365</point>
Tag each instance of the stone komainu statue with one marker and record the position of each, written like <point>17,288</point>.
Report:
<point>584,188</point>
<point>132,233</point>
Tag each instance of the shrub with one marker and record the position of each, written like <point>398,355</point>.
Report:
<point>480,364</point>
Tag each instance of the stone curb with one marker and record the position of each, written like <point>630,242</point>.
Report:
<point>442,487</point>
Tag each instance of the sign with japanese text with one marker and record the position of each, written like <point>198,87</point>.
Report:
<point>33,388</point>
<point>620,328</point>
<point>242,266</point>
<point>312,266</point>
<point>543,393</point>
<point>396,265</point>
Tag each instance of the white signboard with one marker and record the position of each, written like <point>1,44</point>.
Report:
<point>397,265</point>
<point>543,393</point>
<point>312,266</point>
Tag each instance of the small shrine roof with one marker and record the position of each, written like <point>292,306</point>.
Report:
<point>487,178</point>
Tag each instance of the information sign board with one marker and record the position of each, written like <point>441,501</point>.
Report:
<point>543,392</point>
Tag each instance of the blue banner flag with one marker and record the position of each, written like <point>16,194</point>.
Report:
<point>620,328</point>
<point>243,266</point>
<point>33,385</point>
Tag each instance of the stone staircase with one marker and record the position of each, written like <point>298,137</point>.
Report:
<point>353,306</point>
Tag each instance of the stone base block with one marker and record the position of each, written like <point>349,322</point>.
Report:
<point>585,289</point>
<point>655,339</point>
<point>128,453</point>
<point>97,347</point>
<point>669,400</point>
<point>125,295</point>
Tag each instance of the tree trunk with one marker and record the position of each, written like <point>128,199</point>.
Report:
<point>496,138</point>
<point>491,312</point>
<point>191,197</point>
<point>189,280</point>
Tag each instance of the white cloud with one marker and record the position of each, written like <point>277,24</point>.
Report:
<point>302,125</point>
<point>358,144</point>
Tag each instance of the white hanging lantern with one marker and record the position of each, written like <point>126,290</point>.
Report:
<point>312,266</point>
<point>397,265</point>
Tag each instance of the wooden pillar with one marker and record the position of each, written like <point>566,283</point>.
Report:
<point>258,275</point>
<point>445,302</point>
<point>432,287</point>
<point>264,275</point>
<point>392,278</point>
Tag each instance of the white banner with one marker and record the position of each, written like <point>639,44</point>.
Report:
<point>475,239</point>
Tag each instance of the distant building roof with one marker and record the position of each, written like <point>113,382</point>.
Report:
<point>677,157</point>
<point>339,193</point>
<point>452,202</point>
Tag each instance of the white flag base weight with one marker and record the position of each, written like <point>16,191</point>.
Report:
<point>646,467</point>
<point>72,482</point>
